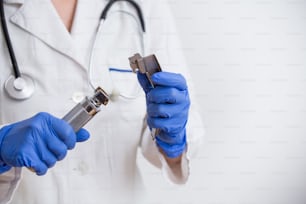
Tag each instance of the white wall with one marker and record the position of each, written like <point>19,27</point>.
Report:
<point>248,61</point>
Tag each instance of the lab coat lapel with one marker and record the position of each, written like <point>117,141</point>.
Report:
<point>39,18</point>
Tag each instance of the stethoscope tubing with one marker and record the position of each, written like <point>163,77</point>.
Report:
<point>17,94</point>
<point>8,41</point>
<point>133,3</point>
<point>115,93</point>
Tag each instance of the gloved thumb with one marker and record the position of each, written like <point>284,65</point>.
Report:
<point>144,82</point>
<point>82,135</point>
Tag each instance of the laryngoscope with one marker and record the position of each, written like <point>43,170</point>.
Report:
<point>146,65</point>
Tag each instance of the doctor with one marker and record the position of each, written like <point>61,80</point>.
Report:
<point>53,40</point>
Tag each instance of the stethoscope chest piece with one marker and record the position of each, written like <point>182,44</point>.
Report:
<point>19,88</point>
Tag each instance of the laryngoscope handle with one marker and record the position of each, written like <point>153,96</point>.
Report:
<point>84,111</point>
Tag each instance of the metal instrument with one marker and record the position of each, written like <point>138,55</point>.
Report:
<point>146,65</point>
<point>86,109</point>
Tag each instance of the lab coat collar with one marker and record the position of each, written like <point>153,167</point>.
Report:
<point>39,18</point>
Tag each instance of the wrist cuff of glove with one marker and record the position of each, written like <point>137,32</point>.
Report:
<point>3,167</point>
<point>172,150</point>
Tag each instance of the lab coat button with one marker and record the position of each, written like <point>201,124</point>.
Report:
<point>77,97</point>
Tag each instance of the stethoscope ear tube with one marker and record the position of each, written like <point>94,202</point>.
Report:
<point>133,3</point>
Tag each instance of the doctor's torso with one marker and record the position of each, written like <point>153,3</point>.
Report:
<point>58,62</point>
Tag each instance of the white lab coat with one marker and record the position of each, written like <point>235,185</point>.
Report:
<point>103,169</point>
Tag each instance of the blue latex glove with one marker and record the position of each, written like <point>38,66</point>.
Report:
<point>37,143</point>
<point>167,109</point>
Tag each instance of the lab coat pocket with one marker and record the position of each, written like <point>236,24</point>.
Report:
<point>125,84</point>
<point>127,106</point>
<point>127,97</point>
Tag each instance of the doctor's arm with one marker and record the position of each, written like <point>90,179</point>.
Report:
<point>167,112</point>
<point>37,143</point>
<point>178,132</point>
<point>181,127</point>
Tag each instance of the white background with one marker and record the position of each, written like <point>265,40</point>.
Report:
<point>248,62</point>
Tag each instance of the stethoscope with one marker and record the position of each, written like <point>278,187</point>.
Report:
<point>21,86</point>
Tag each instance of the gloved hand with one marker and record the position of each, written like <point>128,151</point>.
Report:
<point>37,143</point>
<point>167,109</point>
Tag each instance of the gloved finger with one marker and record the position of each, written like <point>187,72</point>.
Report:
<point>44,154</point>
<point>172,138</point>
<point>48,158</point>
<point>64,131</point>
<point>34,163</point>
<point>167,95</point>
<point>167,110</point>
<point>169,79</point>
<point>57,147</point>
<point>40,168</point>
<point>172,151</point>
<point>168,125</point>
<point>144,82</point>
<point>82,135</point>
